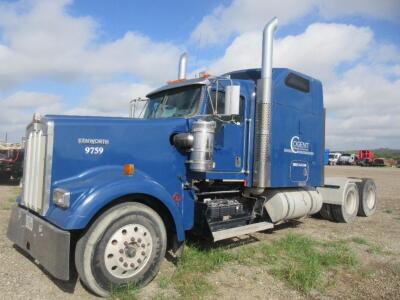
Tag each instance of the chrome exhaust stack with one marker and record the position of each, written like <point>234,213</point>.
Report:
<point>262,159</point>
<point>182,66</point>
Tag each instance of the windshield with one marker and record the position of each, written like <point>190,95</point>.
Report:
<point>179,102</point>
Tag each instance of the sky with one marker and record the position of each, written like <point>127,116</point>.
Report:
<point>90,57</point>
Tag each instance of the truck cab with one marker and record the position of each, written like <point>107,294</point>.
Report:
<point>334,157</point>
<point>217,156</point>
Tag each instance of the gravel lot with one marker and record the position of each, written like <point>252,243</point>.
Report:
<point>23,279</point>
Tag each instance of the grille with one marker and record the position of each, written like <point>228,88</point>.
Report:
<point>37,165</point>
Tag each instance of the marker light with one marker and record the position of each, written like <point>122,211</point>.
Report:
<point>177,197</point>
<point>61,197</point>
<point>129,169</point>
<point>175,81</point>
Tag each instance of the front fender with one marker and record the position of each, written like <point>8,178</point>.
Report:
<point>99,195</point>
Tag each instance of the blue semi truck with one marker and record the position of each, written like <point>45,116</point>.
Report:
<point>216,156</point>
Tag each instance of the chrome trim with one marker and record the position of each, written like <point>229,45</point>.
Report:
<point>37,165</point>
<point>48,165</point>
<point>248,121</point>
<point>268,36</point>
<point>202,152</point>
<point>262,151</point>
<point>182,66</point>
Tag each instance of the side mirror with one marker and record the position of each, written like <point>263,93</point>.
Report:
<point>232,100</point>
<point>137,107</point>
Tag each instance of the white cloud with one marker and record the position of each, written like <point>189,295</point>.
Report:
<point>111,99</point>
<point>385,53</point>
<point>245,15</point>
<point>317,51</point>
<point>363,110</point>
<point>362,102</point>
<point>17,109</point>
<point>106,99</point>
<point>241,16</point>
<point>39,39</point>
<point>379,9</point>
<point>135,54</point>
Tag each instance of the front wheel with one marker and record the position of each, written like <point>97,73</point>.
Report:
<point>124,246</point>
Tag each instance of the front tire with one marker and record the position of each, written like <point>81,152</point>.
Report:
<point>124,246</point>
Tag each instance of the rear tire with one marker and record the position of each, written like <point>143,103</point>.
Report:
<point>326,212</point>
<point>368,198</point>
<point>347,212</point>
<point>124,246</point>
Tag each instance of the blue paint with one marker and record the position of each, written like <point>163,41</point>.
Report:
<point>326,157</point>
<point>301,115</point>
<point>95,181</point>
<point>296,117</point>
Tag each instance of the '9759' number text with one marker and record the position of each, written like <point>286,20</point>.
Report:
<point>94,150</point>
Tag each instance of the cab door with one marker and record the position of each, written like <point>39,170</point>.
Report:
<point>230,133</point>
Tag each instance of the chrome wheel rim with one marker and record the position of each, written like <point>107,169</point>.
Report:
<point>128,250</point>
<point>351,203</point>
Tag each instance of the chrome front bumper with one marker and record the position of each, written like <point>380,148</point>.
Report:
<point>47,244</point>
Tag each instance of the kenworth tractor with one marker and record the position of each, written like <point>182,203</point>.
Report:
<point>215,156</point>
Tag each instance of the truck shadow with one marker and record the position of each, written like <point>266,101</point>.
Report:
<point>9,182</point>
<point>192,241</point>
<point>207,244</point>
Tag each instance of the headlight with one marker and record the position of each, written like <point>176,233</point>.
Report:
<point>61,197</point>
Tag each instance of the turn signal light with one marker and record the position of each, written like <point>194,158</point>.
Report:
<point>129,169</point>
<point>61,197</point>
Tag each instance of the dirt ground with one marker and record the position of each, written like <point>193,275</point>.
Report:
<point>21,278</point>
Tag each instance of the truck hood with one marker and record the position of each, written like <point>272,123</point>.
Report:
<point>82,144</point>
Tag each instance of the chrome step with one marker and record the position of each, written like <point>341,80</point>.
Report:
<point>241,230</point>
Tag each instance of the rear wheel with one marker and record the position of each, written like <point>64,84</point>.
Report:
<point>124,246</point>
<point>368,199</point>
<point>347,212</point>
<point>326,212</point>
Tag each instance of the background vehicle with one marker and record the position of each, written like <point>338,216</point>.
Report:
<point>334,158</point>
<point>365,158</point>
<point>378,162</point>
<point>11,162</point>
<point>220,156</point>
<point>346,159</point>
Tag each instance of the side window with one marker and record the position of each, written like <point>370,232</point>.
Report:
<point>218,103</point>
<point>297,82</point>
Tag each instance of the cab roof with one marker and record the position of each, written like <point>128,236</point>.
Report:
<point>246,74</point>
